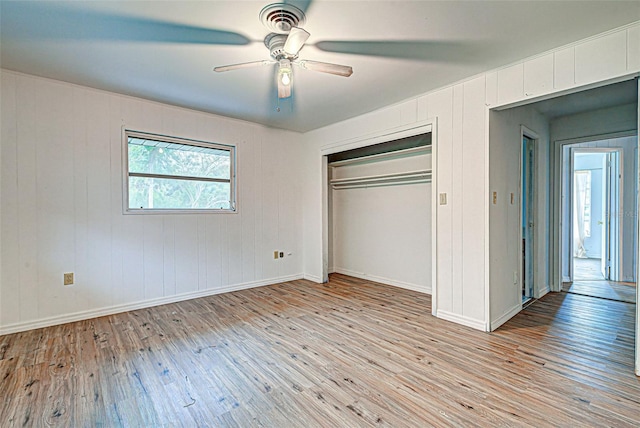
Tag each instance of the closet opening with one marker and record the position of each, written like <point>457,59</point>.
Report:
<point>380,212</point>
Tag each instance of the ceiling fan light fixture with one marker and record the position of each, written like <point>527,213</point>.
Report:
<point>284,71</point>
<point>284,78</point>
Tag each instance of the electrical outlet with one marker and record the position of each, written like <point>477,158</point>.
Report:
<point>275,254</point>
<point>512,199</point>
<point>68,278</point>
<point>495,198</point>
<point>281,254</point>
<point>515,277</point>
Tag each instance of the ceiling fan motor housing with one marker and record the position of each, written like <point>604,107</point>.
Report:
<point>279,18</point>
<point>275,43</point>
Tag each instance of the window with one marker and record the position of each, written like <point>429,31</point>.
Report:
<point>166,174</point>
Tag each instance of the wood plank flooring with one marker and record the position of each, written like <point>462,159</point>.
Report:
<point>587,269</point>
<point>621,291</point>
<point>588,281</point>
<point>349,353</point>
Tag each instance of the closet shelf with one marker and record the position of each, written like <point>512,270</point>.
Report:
<point>382,156</point>
<point>411,177</point>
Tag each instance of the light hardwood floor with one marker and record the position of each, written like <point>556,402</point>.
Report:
<point>349,353</point>
<point>588,281</point>
<point>587,270</point>
<point>621,291</point>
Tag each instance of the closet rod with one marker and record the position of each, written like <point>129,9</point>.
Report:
<point>380,184</point>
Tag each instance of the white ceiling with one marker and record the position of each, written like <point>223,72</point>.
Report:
<point>161,50</point>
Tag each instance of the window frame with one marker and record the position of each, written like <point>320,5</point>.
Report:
<point>126,209</point>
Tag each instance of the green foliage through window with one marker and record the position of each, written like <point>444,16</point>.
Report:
<point>173,174</point>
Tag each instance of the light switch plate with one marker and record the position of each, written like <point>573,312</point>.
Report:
<point>443,199</point>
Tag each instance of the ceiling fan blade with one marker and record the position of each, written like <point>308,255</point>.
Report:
<point>295,41</point>
<point>420,50</point>
<point>243,65</point>
<point>33,20</point>
<point>325,67</point>
<point>303,5</point>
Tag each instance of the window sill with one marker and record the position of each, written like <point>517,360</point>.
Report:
<point>157,211</point>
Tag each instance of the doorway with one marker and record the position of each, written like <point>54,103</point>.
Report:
<point>596,204</point>
<point>600,259</point>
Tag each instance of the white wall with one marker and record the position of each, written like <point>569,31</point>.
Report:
<point>461,163</point>
<point>62,208</point>
<point>505,225</point>
<point>605,121</point>
<point>383,233</point>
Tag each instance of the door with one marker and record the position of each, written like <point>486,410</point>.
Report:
<point>611,221</point>
<point>605,262</point>
<point>527,210</point>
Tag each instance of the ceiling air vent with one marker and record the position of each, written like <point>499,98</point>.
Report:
<point>280,17</point>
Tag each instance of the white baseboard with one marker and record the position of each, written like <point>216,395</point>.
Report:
<point>313,278</point>
<point>541,292</point>
<point>460,319</point>
<point>506,316</point>
<point>110,310</point>
<point>387,281</point>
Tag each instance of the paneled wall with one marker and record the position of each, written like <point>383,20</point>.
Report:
<point>461,165</point>
<point>62,208</point>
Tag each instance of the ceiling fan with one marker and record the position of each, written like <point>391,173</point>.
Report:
<point>284,42</point>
